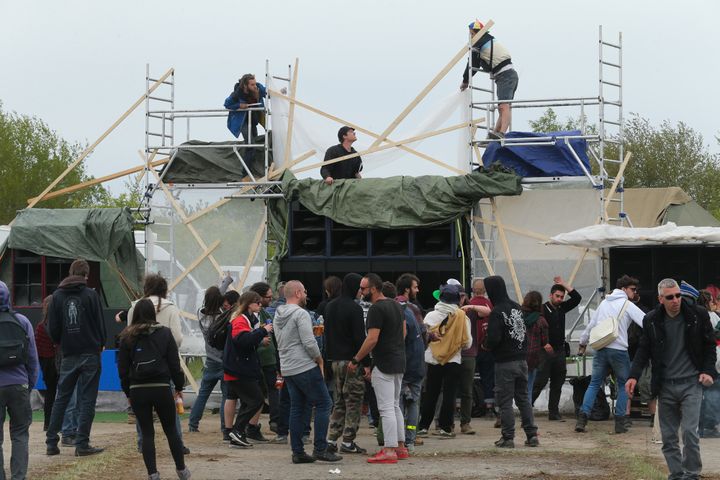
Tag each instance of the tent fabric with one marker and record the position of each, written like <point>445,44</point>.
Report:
<point>95,234</point>
<point>217,164</point>
<point>603,236</point>
<point>399,202</point>
<point>540,160</point>
<point>647,207</point>
<point>690,214</point>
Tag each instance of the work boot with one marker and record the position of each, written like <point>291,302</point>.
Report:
<point>620,426</point>
<point>302,458</point>
<point>326,456</point>
<point>466,429</point>
<point>505,443</point>
<point>532,441</point>
<point>87,451</point>
<point>581,422</point>
<point>555,417</point>
<point>253,433</point>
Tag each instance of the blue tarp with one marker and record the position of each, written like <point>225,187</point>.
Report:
<point>540,160</point>
<point>109,377</point>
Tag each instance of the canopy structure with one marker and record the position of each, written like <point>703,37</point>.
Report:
<point>96,234</point>
<point>602,236</point>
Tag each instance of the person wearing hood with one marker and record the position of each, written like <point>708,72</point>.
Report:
<point>344,334</point>
<point>18,376</point>
<point>75,322</point>
<point>301,366</point>
<point>147,361</point>
<point>615,355</point>
<point>507,340</point>
<point>155,289</point>
<point>537,332</point>
<point>449,332</point>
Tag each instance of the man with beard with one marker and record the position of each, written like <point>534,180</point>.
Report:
<point>344,334</point>
<point>247,93</point>
<point>349,168</point>
<point>408,287</point>
<point>386,341</point>
<point>301,365</point>
<point>554,367</point>
<point>507,340</point>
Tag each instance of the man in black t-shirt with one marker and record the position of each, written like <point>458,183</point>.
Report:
<point>349,168</point>
<point>386,339</point>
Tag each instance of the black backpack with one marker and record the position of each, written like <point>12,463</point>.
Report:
<point>147,360</point>
<point>14,341</point>
<point>217,331</point>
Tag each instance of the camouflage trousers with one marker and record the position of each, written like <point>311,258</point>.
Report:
<point>349,393</point>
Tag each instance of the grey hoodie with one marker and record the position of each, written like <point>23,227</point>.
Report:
<point>296,344</point>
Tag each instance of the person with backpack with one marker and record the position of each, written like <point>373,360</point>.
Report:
<point>19,369</point>
<point>147,362</point>
<point>75,322</point>
<point>241,365</point>
<point>155,289</point>
<point>212,370</point>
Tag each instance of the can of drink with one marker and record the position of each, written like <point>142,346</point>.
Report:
<point>179,406</point>
<point>279,382</point>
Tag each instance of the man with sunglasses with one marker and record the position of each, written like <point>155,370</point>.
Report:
<point>678,339</point>
<point>615,355</point>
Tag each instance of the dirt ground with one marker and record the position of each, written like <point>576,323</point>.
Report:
<point>563,454</point>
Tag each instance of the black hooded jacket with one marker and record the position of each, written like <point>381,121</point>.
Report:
<point>75,318</point>
<point>506,335</point>
<point>344,323</point>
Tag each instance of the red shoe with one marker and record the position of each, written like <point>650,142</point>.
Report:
<point>383,456</point>
<point>402,453</point>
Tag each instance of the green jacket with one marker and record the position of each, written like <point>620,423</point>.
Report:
<point>267,354</point>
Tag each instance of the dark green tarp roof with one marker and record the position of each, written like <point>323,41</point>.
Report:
<point>95,234</point>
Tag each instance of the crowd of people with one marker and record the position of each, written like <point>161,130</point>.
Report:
<point>368,344</point>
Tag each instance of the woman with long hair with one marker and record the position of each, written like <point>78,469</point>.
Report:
<point>46,354</point>
<point>242,367</point>
<point>147,362</point>
<point>213,369</point>
<point>537,331</point>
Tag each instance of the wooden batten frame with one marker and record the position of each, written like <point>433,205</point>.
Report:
<point>615,184</point>
<point>102,137</point>
<point>483,252</point>
<point>411,106</point>
<point>389,145</point>
<point>291,113</point>
<point>188,374</point>
<point>367,132</point>
<point>253,252</point>
<point>193,265</point>
<point>506,249</point>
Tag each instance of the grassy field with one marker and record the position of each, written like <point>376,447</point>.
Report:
<point>100,417</point>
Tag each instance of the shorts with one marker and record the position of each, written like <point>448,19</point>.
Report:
<point>506,83</point>
<point>237,389</point>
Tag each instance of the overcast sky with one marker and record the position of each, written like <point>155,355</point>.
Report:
<point>78,65</point>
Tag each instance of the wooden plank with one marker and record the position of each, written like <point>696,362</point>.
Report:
<point>188,315</point>
<point>367,132</point>
<point>291,113</point>
<point>193,265</point>
<point>615,184</point>
<point>95,181</point>
<point>519,231</point>
<point>577,266</point>
<point>188,374</point>
<point>252,253</point>
<point>390,145</point>
<point>506,249</point>
<point>480,246</point>
<point>92,147</point>
<point>460,54</point>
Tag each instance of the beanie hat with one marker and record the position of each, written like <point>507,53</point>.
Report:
<point>476,25</point>
<point>450,294</point>
<point>688,290</point>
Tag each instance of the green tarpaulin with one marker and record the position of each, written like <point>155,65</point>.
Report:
<point>395,202</point>
<point>96,234</point>
<point>214,162</point>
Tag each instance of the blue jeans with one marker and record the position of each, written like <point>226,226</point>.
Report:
<point>531,381</point>
<point>308,390</point>
<point>212,373</point>
<point>410,406</point>
<point>70,421</point>
<point>606,358</point>
<point>283,426</point>
<point>83,372</point>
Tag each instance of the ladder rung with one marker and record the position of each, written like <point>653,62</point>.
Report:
<point>615,103</point>
<point>615,142</point>
<point>166,82</point>
<point>612,122</point>
<point>482,89</point>
<point>616,200</point>
<point>610,45</point>
<point>161,135</point>
<point>611,160</point>
<point>160,99</point>
<point>610,83</point>
<point>610,64</point>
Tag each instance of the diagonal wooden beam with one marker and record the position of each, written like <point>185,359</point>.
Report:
<point>252,253</point>
<point>483,252</point>
<point>96,181</point>
<point>291,113</point>
<point>107,132</point>
<point>390,145</point>
<point>193,265</point>
<point>366,131</point>
<point>463,51</point>
<point>506,249</point>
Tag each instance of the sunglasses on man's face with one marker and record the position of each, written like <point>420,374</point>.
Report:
<point>671,296</point>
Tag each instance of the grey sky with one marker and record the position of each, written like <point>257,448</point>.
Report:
<point>78,65</point>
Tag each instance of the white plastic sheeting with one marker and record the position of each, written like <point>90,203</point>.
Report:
<point>602,236</point>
